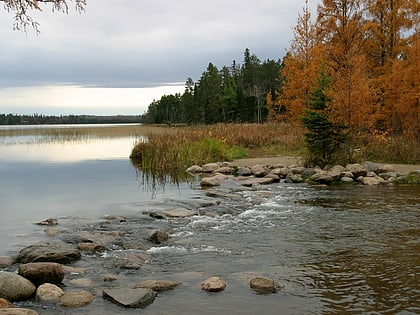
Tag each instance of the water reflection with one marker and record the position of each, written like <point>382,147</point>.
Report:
<point>67,143</point>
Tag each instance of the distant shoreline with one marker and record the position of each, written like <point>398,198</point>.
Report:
<point>40,119</point>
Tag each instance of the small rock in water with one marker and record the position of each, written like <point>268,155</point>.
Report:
<point>158,236</point>
<point>131,298</point>
<point>6,261</point>
<point>49,221</point>
<point>91,247</point>
<point>178,213</point>
<point>4,303</point>
<point>264,285</point>
<point>17,311</point>
<point>48,292</point>
<point>158,285</point>
<point>76,298</point>
<point>213,284</point>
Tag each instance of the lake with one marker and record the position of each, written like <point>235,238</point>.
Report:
<point>335,250</point>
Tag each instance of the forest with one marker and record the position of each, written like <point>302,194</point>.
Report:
<point>366,53</point>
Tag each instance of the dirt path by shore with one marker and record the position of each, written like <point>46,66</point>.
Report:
<point>290,160</point>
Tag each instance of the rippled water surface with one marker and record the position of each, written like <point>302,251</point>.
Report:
<point>335,250</point>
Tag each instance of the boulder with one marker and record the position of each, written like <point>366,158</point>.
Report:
<point>210,167</point>
<point>257,181</point>
<point>322,177</point>
<point>91,247</point>
<point>5,303</point>
<point>387,168</point>
<point>130,298</point>
<point>210,181</point>
<point>14,287</point>
<point>53,251</point>
<point>178,213</point>
<point>224,170</point>
<point>345,179</point>
<point>370,181</point>
<point>134,261</point>
<point>243,171</point>
<point>297,169</point>
<point>371,166</point>
<point>50,221</point>
<point>158,236</point>
<point>39,273</point>
<point>357,170</point>
<point>195,169</point>
<point>259,170</point>
<point>389,175</point>
<point>17,311</point>
<point>336,172</point>
<point>264,285</point>
<point>76,298</point>
<point>48,292</point>
<point>294,178</point>
<point>6,261</point>
<point>158,285</point>
<point>213,284</point>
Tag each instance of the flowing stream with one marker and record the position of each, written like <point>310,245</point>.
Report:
<point>334,250</point>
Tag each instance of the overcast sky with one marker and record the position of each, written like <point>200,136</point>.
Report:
<point>120,55</point>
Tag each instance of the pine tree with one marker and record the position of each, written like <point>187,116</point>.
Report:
<point>324,137</point>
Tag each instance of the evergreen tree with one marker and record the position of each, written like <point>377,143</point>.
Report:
<point>324,137</point>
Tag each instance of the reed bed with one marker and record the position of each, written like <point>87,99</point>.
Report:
<point>171,153</point>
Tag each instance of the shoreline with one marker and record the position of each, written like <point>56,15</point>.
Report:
<point>297,160</point>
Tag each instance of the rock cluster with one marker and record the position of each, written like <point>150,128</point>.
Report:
<point>367,173</point>
<point>42,282</point>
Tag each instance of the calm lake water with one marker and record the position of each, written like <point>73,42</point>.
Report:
<point>336,250</point>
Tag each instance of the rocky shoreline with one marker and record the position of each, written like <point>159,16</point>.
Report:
<point>83,262</point>
<point>367,173</point>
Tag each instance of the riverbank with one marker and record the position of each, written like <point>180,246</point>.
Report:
<point>296,160</point>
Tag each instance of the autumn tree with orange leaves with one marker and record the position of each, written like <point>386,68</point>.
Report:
<point>370,51</point>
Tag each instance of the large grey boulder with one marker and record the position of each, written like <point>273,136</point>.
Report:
<point>14,287</point>
<point>53,251</point>
<point>130,298</point>
<point>209,167</point>
<point>259,170</point>
<point>39,273</point>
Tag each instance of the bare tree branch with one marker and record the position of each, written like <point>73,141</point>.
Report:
<point>23,9</point>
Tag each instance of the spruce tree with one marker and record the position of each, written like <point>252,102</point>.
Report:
<point>324,137</point>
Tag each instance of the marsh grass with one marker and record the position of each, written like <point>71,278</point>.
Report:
<point>171,153</point>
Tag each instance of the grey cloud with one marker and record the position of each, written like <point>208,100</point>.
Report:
<point>143,43</point>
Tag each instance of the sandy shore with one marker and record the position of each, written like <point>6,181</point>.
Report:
<point>289,160</point>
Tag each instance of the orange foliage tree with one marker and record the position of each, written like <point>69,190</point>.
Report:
<point>370,51</point>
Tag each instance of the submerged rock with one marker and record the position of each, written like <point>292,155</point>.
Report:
<point>131,298</point>
<point>264,285</point>
<point>76,299</point>
<point>17,311</point>
<point>158,285</point>
<point>178,213</point>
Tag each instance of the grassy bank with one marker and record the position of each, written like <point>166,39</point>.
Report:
<point>171,152</point>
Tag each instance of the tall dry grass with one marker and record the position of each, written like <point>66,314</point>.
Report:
<point>171,153</point>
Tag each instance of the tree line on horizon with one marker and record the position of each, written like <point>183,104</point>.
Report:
<point>367,49</point>
<point>40,119</point>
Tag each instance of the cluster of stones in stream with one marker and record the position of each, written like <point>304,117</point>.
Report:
<point>366,173</point>
<point>48,273</point>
